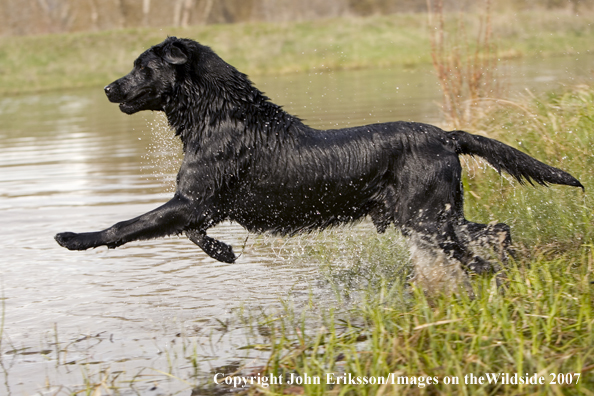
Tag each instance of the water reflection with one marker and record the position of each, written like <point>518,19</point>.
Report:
<point>72,161</point>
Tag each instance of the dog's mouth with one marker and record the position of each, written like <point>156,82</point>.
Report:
<point>135,102</point>
<point>129,108</point>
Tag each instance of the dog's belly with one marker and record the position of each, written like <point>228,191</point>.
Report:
<point>291,212</point>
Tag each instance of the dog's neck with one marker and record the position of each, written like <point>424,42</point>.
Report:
<point>197,112</point>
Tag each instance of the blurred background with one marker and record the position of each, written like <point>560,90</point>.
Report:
<point>25,17</point>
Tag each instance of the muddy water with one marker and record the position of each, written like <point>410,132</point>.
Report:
<point>70,161</point>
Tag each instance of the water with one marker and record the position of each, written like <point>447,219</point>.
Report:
<point>70,161</point>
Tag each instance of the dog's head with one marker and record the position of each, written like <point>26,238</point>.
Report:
<point>152,79</point>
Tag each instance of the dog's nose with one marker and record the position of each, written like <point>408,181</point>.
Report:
<point>112,92</point>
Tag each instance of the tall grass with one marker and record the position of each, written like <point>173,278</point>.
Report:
<point>466,64</point>
<point>542,325</point>
<point>557,130</point>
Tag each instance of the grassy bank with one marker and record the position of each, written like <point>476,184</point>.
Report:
<point>94,59</point>
<point>541,326</point>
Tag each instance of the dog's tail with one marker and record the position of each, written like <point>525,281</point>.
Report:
<point>503,157</point>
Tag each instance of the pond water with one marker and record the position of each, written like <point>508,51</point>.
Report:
<point>70,161</point>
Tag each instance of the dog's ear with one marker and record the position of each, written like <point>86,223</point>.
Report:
<point>175,55</point>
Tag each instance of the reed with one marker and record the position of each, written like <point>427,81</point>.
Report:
<point>466,68</point>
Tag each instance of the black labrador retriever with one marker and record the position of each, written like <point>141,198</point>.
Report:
<point>249,161</point>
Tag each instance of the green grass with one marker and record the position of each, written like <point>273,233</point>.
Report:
<point>557,130</point>
<point>542,323</point>
<point>64,61</point>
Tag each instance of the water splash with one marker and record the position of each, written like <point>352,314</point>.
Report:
<point>164,153</point>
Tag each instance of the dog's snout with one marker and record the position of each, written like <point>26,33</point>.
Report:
<point>112,92</point>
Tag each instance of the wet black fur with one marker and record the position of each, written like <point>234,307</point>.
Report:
<point>249,161</point>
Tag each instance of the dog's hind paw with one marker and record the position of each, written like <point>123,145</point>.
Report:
<point>480,266</point>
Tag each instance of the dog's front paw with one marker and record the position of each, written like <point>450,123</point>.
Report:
<point>73,241</point>
<point>223,253</point>
<point>216,249</point>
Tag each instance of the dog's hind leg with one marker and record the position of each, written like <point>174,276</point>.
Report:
<point>435,252</point>
<point>216,249</point>
<point>428,214</point>
<point>438,258</point>
<point>491,242</point>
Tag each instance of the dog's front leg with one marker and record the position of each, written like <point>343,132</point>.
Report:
<point>216,249</point>
<point>170,218</point>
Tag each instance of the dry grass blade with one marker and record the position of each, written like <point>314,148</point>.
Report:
<point>467,71</point>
